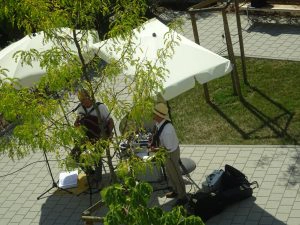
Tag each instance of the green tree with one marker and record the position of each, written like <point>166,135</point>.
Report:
<point>42,114</point>
<point>39,122</point>
<point>128,204</point>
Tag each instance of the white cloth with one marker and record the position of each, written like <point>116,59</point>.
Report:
<point>104,113</point>
<point>168,137</point>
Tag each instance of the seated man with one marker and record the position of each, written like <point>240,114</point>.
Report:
<point>95,129</point>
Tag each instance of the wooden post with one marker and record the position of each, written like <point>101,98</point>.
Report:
<point>196,38</point>
<point>235,77</point>
<point>194,26</point>
<point>229,46</point>
<point>86,216</point>
<point>238,22</point>
<point>86,213</point>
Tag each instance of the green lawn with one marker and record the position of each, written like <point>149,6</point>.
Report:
<point>271,114</point>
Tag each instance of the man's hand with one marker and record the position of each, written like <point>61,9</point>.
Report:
<point>77,123</point>
<point>152,149</point>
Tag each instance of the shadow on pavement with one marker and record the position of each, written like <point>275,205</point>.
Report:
<point>244,212</point>
<point>292,175</point>
<point>67,209</point>
<point>63,208</point>
<point>274,29</point>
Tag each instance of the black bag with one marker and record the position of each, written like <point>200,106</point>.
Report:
<point>235,186</point>
<point>238,193</point>
<point>206,205</point>
<point>232,178</point>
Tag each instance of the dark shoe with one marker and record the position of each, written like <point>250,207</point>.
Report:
<point>181,201</point>
<point>171,194</point>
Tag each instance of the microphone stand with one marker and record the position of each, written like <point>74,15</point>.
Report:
<point>54,183</point>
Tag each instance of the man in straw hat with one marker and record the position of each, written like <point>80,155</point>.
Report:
<point>166,137</point>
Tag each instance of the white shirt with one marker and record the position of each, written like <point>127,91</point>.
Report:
<point>104,113</point>
<point>168,137</point>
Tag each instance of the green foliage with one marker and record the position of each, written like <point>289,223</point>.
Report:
<point>128,204</point>
<point>134,166</point>
<point>38,112</point>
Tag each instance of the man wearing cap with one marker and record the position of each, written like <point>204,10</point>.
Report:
<point>87,116</point>
<point>166,137</point>
<point>86,107</point>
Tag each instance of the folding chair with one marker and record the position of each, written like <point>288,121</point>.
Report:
<point>187,166</point>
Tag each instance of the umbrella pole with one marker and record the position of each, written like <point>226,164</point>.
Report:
<point>196,38</point>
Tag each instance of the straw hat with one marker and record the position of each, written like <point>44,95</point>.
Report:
<point>162,111</point>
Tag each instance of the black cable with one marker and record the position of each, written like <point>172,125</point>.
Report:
<point>8,174</point>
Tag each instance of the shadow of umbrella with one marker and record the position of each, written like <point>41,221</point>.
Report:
<point>245,212</point>
<point>63,208</point>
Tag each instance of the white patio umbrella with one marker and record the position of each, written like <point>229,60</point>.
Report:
<point>189,62</point>
<point>27,75</point>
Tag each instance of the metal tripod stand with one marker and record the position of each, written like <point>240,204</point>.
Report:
<point>54,183</point>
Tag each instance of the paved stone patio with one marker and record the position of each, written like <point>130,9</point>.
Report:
<point>261,40</point>
<point>275,168</point>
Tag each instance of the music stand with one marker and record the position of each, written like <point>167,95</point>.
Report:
<point>54,183</point>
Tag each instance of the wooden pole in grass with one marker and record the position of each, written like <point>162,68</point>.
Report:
<point>229,47</point>
<point>196,38</point>
<point>240,34</point>
<point>235,77</point>
<point>234,74</point>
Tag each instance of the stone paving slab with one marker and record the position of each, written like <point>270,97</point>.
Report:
<point>275,168</point>
<point>261,40</point>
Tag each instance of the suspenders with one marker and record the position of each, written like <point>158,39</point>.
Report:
<point>155,140</point>
<point>92,109</point>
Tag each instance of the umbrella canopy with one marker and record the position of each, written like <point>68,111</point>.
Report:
<point>27,75</point>
<point>189,62</point>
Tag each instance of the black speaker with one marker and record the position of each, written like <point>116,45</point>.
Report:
<point>258,3</point>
